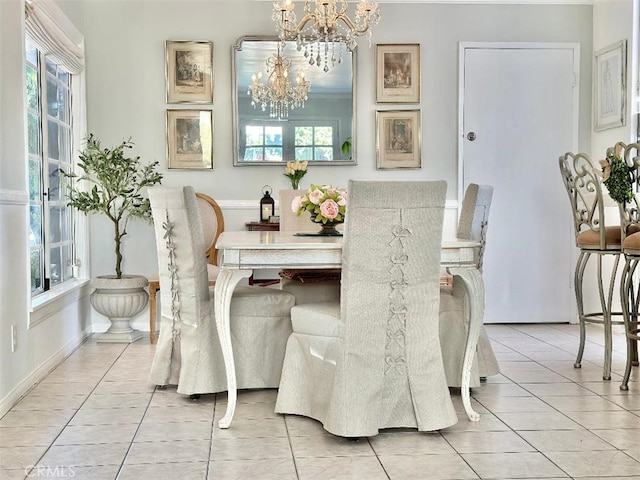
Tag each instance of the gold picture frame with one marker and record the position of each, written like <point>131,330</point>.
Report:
<point>398,139</point>
<point>398,73</point>
<point>190,139</point>
<point>189,71</point>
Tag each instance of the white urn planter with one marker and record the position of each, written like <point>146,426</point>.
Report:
<point>119,299</point>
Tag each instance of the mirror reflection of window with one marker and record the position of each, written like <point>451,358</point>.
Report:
<point>263,142</point>
<point>313,143</point>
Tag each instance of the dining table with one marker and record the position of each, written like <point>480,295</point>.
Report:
<point>245,251</point>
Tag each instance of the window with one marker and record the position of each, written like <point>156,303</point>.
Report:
<point>49,132</point>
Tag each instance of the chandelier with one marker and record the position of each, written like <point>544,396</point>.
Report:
<point>278,93</point>
<point>325,27</point>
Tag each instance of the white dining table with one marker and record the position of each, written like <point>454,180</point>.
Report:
<point>245,251</point>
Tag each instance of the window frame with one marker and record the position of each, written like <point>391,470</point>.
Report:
<point>46,202</point>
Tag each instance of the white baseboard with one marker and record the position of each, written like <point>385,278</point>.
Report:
<point>40,372</point>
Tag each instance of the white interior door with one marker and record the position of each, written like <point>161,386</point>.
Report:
<point>521,103</point>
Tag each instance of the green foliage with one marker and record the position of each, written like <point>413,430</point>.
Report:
<point>115,188</point>
<point>619,180</point>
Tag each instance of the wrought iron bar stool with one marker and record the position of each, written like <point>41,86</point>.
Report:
<point>630,293</point>
<point>584,187</point>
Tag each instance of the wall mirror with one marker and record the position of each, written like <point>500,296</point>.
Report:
<point>323,132</point>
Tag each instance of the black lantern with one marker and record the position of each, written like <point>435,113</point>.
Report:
<point>267,204</point>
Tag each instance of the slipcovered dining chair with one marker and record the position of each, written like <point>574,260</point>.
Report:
<point>594,237</point>
<point>212,221</point>
<point>454,310</point>
<point>307,285</point>
<point>188,352</point>
<point>372,360</point>
<point>630,291</point>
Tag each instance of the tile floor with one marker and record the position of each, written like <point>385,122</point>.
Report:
<point>96,417</point>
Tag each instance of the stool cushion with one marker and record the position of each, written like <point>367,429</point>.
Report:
<point>632,242</point>
<point>321,319</point>
<point>591,238</point>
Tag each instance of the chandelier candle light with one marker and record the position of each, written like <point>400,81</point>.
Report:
<point>278,92</point>
<point>325,26</point>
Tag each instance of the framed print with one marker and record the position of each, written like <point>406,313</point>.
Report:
<point>398,139</point>
<point>398,73</point>
<point>609,86</point>
<point>189,71</point>
<point>190,139</point>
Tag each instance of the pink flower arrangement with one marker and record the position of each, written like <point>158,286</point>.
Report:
<point>325,203</point>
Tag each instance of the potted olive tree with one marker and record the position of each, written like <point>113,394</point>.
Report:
<point>111,183</point>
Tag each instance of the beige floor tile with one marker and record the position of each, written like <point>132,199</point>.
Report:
<point>28,436</point>
<point>565,441</point>
<point>515,404</point>
<point>192,413</point>
<point>250,448</point>
<point>19,458</point>
<point>67,388</point>
<point>421,467</point>
<point>556,389</point>
<point>164,471</point>
<point>499,390</point>
<point>623,439</point>
<point>628,402</point>
<point>340,468</point>
<point>512,465</point>
<point>36,418</point>
<point>488,423</point>
<point>606,420</point>
<point>591,403</point>
<point>120,400</point>
<point>248,428</point>
<point>182,451</point>
<point>266,469</point>
<point>96,434</point>
<point>157,432</point>
<point>329,446</point>
<point>409,443</point>
<point>52,402</point>
<point>19,474</point>
<point>84,455</point>
<point>610,463</point>
<point>123,387</point>
<point>107,416</point>
<point>250,411</point>
<point>538,421</point>
<point>487,442</point>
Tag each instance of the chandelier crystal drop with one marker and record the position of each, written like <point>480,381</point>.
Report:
<point>277,92</point>
<point>325,28</point>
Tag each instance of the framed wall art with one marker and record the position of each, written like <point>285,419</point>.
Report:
<point>189,71</point>
<point>398,139</point>
<point>609,86</point>
<point>398,73</point>
<point>189,139</point>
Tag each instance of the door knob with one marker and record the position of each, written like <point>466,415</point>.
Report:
<point>471,136</point>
